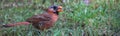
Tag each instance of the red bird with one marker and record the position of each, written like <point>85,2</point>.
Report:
<point>41,21</point>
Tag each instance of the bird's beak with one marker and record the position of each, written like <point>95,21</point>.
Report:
<point>60,9</point>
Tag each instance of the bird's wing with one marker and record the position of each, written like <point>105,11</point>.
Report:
<point>39,18</point>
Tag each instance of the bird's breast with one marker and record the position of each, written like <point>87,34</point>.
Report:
<point>54,17</point>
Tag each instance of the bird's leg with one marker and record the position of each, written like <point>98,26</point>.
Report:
<point>38,32</point>
<point>48,32</point>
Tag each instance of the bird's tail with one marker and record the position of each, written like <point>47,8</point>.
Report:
<point>16,24</point>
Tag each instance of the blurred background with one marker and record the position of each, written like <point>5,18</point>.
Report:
<point>79,18</point>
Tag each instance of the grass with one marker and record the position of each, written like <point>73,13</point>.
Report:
<point>96,19</point>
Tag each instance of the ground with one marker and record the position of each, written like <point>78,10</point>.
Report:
<point>79,18</point>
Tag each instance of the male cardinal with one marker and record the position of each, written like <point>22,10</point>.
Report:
<point>41,21</point>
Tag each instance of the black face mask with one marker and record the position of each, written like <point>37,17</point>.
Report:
<point>55,8</point>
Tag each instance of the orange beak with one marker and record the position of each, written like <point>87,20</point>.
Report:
<point>60,9</point>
